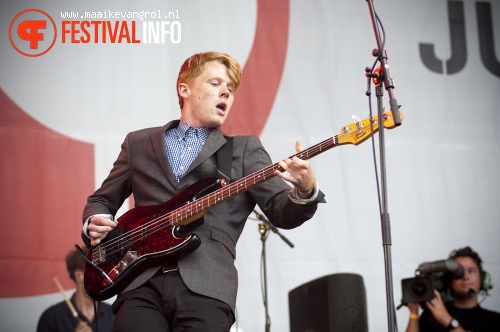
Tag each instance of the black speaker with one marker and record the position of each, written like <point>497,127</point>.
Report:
<point>335,302</point>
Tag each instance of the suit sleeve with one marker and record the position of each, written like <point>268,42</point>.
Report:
<point>272,196</point>
<point>113,191</point>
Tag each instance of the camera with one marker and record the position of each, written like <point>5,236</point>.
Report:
<point>421,288</point>
<point>429,277</point>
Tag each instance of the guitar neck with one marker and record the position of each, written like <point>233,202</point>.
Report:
<point>354,133</point>
<point>242,185</point>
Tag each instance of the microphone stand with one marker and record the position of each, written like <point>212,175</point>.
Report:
<point>382,74</point>
<point>264,229</point>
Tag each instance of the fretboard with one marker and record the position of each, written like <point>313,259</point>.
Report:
<point>244,184</point>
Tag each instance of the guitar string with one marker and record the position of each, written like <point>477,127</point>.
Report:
<point>157,224</point>
<point>182,213</point>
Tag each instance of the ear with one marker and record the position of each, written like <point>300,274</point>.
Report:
<point>78,275</point>
<point>184,90</point>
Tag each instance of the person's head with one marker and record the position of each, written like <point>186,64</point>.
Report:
<point>470,283</point>
<point>205,87</point>
<point>74,264</point>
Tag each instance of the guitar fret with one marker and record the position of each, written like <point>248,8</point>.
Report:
<point>227,191</point>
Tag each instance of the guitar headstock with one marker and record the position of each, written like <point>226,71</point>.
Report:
<point>359,131</point>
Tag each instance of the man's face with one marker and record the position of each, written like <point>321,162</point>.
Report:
<point>208,98</point>
<point>471,279</point>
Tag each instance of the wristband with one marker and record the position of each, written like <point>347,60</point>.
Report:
<point>413,316</point>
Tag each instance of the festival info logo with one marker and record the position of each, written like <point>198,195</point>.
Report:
<point>32,32</point>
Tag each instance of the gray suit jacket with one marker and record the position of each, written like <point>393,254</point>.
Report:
<point>143,169</point>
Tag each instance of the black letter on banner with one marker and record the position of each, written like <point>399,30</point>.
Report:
<point>486,42</point>
<point>458,44</point>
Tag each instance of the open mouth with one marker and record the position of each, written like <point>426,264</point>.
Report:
<point>221,106</point>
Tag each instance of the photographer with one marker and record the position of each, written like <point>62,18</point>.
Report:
<point>463,313</point>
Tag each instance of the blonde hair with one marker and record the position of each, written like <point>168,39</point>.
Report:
<point>194,65</point>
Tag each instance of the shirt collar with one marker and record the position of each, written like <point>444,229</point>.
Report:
<point>200,132</point>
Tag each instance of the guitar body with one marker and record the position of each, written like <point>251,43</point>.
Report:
<point>140,242</point>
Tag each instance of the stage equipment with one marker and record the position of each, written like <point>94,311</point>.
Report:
<point>264,227</point>
<point>335,302</point>
<point>382,76</point>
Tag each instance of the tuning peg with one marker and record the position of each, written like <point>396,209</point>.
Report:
<point>357,121</point>
<point>345,129</point>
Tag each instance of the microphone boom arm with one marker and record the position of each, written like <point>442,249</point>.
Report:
<point>267,225</point>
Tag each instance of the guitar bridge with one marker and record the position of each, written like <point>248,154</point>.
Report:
<point>129,258</point>
<point>98,255</point>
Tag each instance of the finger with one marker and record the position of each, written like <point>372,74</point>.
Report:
<point>98,222</point>
<point>293,167</point>
<point>96,234</point>
<point>298,146</point>
<point>285,164</point>
<point>98,230</point>
<point>103,221</point>
<point>95,241</point>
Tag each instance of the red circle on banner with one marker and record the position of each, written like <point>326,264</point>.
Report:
<point>255,98</point>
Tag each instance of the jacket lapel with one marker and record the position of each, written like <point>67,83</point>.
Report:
<point>213,143</point>
<point>160,150</point>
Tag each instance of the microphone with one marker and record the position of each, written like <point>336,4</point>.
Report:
<point>449,265</point>
<point>473,291</point>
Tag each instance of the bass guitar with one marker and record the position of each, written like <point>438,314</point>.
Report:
<point>153,235</point>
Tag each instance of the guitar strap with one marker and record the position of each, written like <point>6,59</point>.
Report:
<point>225,159</point>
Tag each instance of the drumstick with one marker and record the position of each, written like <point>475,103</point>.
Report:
<point>68,302</point>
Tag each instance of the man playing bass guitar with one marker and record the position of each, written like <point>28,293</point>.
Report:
<point>194,290</point>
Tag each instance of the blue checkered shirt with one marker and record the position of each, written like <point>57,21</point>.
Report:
<point>183,145</point>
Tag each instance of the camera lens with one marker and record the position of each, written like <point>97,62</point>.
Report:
<point>419,288</point>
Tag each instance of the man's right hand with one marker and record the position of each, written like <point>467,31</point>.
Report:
<point>98,229</point>
<point>438,309</point>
